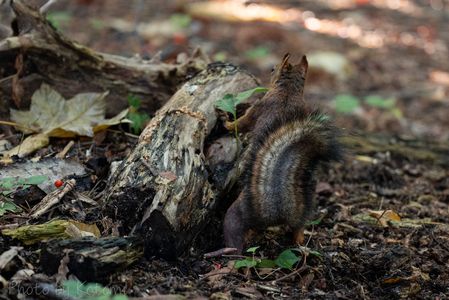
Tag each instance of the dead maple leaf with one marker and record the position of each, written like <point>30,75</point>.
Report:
<point>383,216</point>
<point>50,115</point>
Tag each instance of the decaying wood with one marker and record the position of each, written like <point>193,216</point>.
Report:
<point>164,185</point>
<point>38,53</point>
<point>91,259</point>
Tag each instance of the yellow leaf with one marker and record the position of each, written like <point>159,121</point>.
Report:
<point>90,228</point>
<point>120,118</point>
<point>28,145</point>
<point>79,116</point>
<point>51,114</point>
<point>46,108</point>
<point>383,216</point>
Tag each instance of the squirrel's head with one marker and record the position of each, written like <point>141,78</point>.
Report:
<point>290,76</point>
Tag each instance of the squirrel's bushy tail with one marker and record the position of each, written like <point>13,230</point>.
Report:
<point>311,135</point>
<point>284,155</point>
<point>322,138</point>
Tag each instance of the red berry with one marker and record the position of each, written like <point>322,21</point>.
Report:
<point>58,183</point>
<point>179,39</point>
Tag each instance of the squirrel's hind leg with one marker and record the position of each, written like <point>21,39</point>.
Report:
<point>235,227</point>
<point>298,235</point>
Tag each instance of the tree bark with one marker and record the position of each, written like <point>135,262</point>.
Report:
<point>165,186</point>
<point>38,53</point>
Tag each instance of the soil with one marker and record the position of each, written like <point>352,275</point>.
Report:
<point>357,248</point>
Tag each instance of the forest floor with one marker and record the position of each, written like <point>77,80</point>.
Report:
<point>381,228</point>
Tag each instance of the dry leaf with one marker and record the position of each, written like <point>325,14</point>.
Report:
<point>87,229</point>
<point>28,145</point>
<point>52,116</point>
<point>383,216</point>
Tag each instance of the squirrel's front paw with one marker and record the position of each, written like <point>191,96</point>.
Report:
<point>229,125</point>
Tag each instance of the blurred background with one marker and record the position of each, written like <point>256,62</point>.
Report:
<point>377,66</point>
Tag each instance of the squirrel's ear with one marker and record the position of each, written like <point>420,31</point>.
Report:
<point>302,66</point>
<point>284,61</point>
<point>278,70</point>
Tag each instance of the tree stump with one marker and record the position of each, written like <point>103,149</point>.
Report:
<point>164,186</point>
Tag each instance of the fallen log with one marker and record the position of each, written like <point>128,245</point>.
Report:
<point>38,53</point>
<point>90,259</point>
<point>164,187</point>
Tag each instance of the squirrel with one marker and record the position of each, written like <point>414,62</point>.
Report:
<point>289,140</point>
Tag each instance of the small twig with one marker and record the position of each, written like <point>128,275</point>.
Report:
<point>51,199</point>
<point>268,288</point>
<point>44,8</point>
<point>268,275</point>
<point>66,149</point>
<point>220,252</point>
<point>310,237</point>
<point>7,78</point>
<point>381,203</point>
<point>222,273</point>
<point>378,219</point>
<point>234,256</point>
<point>125,133</point>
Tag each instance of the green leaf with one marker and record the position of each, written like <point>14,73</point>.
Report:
<point>59,18</point>
<point>89,291</point>
<point>220,56</point>
<point>287,259</point>
<point>180,20</point>
<point>97,24</point>
<point>377,101</point>
<point>266,263</point>
<point>245,263</point>
<point>346,103</point>
<point>257,52</point>
<point>134,101</point>
<point>8,183</point>
<point>307,250</point>
<point>33,180</point>
<point>246,94</point>
<point>7,206</point>
<point>315,253</point>
<point>72,288</point>
<point>120,297</point>
<point>97,290</point>
<point>252,249</point>
<point>138,121</point>
<point>397,113</point>
<point>227,104</point>
<point>314,222</point>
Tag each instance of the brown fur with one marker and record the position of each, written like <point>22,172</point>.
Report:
<point>289,139</point>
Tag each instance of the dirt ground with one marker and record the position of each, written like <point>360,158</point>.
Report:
<point>393,49</point>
